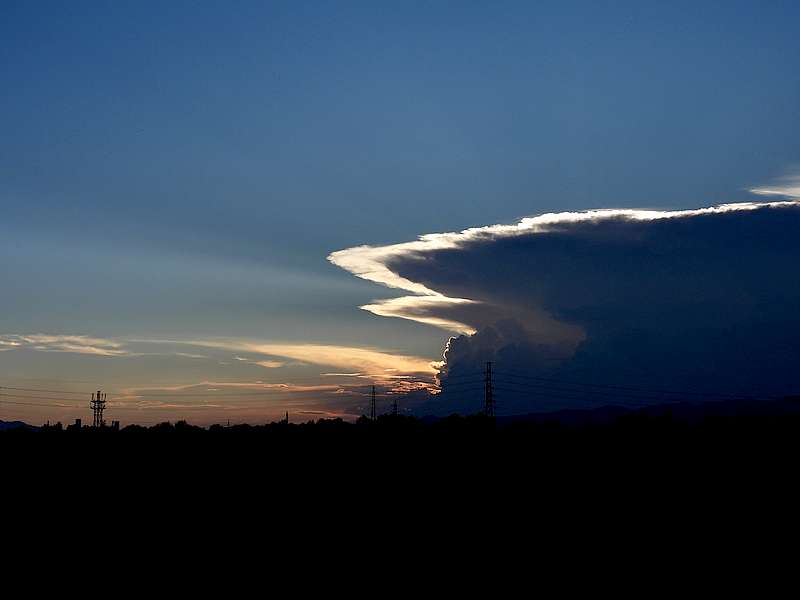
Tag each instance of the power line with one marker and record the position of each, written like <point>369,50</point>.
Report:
<point>590,395</point>
<point>611,394</point>
<point>37,397</point>
<point>632,389</point>
<point>58,379</point>
<point>18,389</point>
<point>462,383</point>
<point>445,383</point>
<point>450,380</point>
<point>255,393</point>
<point>36,404</point>
<point>472,374</point>
<point>594,401</point>
<point>209,393</point>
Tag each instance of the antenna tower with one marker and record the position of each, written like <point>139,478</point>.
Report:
<point>98,405</point>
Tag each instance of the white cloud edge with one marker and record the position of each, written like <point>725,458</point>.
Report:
<point>371,262</point>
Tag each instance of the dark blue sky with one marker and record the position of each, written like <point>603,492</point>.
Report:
<point>183,169</point>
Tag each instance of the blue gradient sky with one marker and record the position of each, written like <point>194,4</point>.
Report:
<point>180,171</point>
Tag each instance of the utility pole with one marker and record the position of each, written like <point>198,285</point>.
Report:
<point>488,396</point>
<point>394,406</point>
<point>372,412</point>
<point>98,405</point>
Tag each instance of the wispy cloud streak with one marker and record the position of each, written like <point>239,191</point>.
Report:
<point>785,187</point>
<point>77,344</point>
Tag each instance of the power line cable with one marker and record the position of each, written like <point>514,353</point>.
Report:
<point>612,394</point>
<point>594,401</point>
<point>633,389</point>
<point>19,389</point>
<point>20,396</point>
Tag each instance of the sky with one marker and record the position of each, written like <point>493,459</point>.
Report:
<point>185,186</point>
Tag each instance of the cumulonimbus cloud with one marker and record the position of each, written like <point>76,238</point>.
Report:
<point>683,298</point>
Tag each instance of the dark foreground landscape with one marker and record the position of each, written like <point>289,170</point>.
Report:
<point>711,436</point>
<point>708,463</point>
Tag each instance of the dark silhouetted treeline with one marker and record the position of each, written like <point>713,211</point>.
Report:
<point>669,434</point>
<point>443,471</point>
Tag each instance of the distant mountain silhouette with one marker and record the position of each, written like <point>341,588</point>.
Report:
<point>5,425</point>
<point>691,412</point>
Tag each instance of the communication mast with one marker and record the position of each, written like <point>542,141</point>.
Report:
<point>98,405</point>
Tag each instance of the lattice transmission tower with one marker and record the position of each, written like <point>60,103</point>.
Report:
<point>98,405</point>
<point>488,393</point>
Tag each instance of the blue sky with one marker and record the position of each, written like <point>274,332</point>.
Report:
<point>180,171</point>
